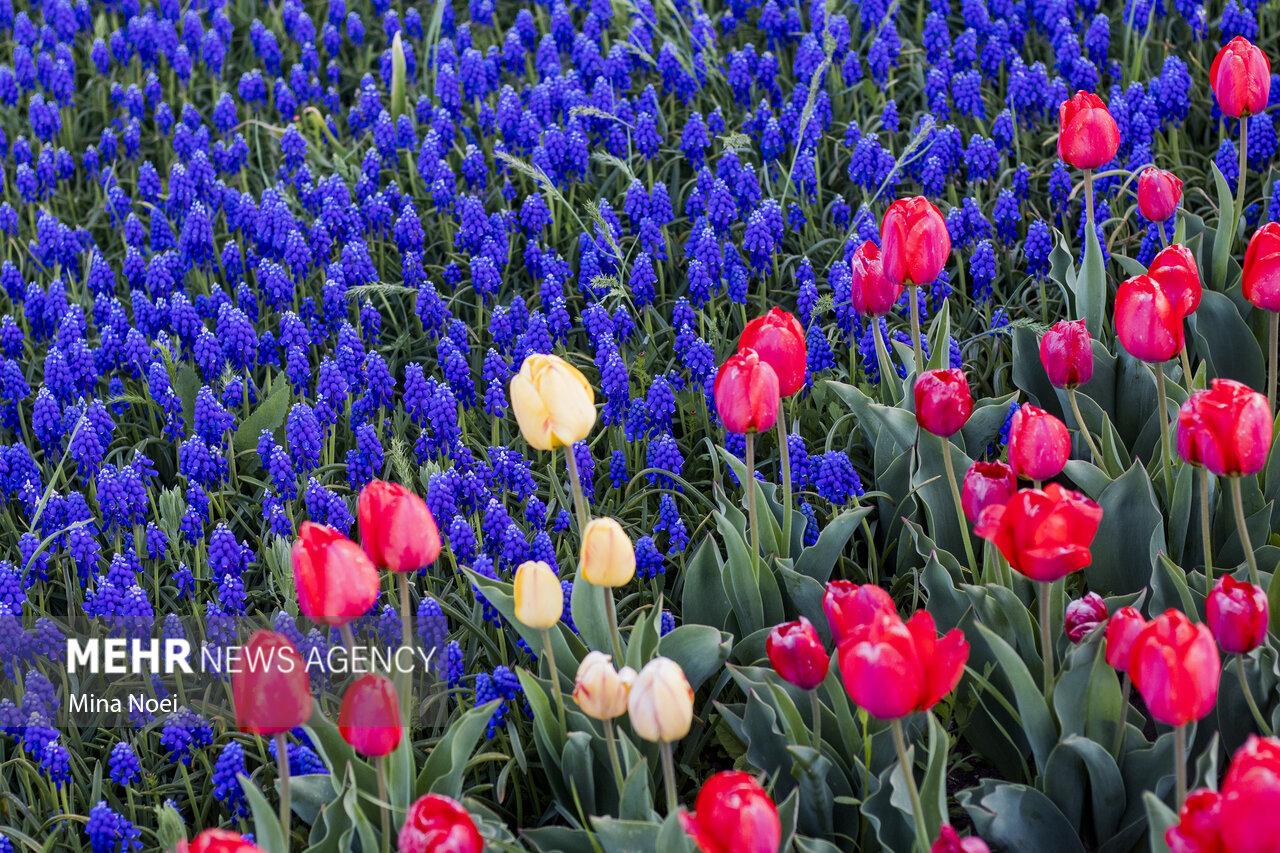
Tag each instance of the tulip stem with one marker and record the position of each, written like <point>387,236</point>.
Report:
<point>384,805</point>
<point>817,720</point>
<point>1237,498</point>
<point>1273,346</point>
<point>348,638</point>
<point>1244,165</point>
<point>883,361</point>
<point>1249,700</point>
<point>784,451</point>
<point>1088,215</point>
<point>955,497</point>
<point>750,486</point>
<point>402,679</point>
<point>914,305</point>
<point>1084,430</point>
<point>1163,396</point>
<point>1180,764</point>
<point>1046,638</point>
<point>549,654</point>
<point>1125,692</point>
<point>1206,533</point>
<point>579,501</point>
<point>611,739</point>
<point>1186,365</point>
<point>612,613</point>
<point>669,777</point>
<point>908,773</point>
<point>282,759</point>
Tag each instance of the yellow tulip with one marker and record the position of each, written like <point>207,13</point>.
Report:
<point>660,703</point>
<point>599,689</point>
<point>553,402</point>
<point>539,599</point>
<point>607,556</point>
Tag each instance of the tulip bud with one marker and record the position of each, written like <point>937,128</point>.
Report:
<point>1261,280</point>
<point>943,401</point>
<point>1039,444</point>
<point>986,484</point>
<point>949,841</point>
<point>660,703</point>
<point>1198,826</point>
<point>914,243</point>
<point>335,581</point>
<point>270,688</point>
<point>746,392</point>
<point>437,824</point>
<point>733,813</point>
<point>1237,615</point>
<point>1066,351</point>
<point>369,718</point>
<point>599,689</point>
<point>848,605</point>
<point>1250,798</point>
<point>1083,615</point>
<point>1123,628</point>
<point>1174,269</point>
<point>1226,428</point>
<point>893,668</point>
<point>1158,194</point>
<point>778,339</point>
<point>553,402</point>
<point>539,598</point>
<point>1241,78</point>
<point>1147,324</point>
<point>397,530</point>
<point>1176,667</point>
<point>796,653</point>
<point>1087,134</point>
<point>1046,534</point>
<point>870,290</point>
<point>218,841</point>
<point>607,556</point>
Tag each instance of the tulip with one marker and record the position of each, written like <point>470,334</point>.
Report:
<point>1237,615</point>
<point>601,692</point>
<point>553,402</point>
<point>1198,826</point>
<point>1241,78</point>
<point>607,557</point>
<point>733,814</point>
<point>943,401</point>
<point>871,291</point>
<point>438,824</point>
<point>746,392</point>
<point>218,841</point>
<point>1251,798</point>
<point>1039,444</point>
<point>949,841</point>
<point>1123,629</point>
<point>778,339</point>
<point>397,530</point>
<point>334,579</point>
<point>660,707</point>
<point>1261,286</point>
<point>848,605</point>
<point>1066,351</point>
<point>1147,323</point>
<point>796,653</point>
<point>539,601</point>
<point>1087,134</point>
<point>369,718</point>
<point>985,484</point>
<point>1158,194</point>
<point>1083,615</point>
<point>914,248</point>
<point>1175,270</point>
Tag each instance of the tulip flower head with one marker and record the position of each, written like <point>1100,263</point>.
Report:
<point>553,402</point>
<point>1251,798</point>
<point>1158,194</point>
<point>778,339</point>
<point>1046,534</point>
<point>1198,826</point>
<point>1237,615</point>
<point>218,841</point>
<point>1066,351</point>
<point>943,401</point>
<point>607,557</point>
<point>914,243</point>
<point>1039,444</point>
<point>539,598</point>
<point>1174,269</point>
<point>1147,323</point>
<point>1227,428</point>
<point>438,824</point>
<point>733,814</point>
<point>1175,666</point>
<point>1123,629</point>
<point>849,605</point>
<point>599,689</point>
<point>397,530</point>
<point>949,841</point>
<point>746,392</point>
<point>660,703</point>
<point>893,668</point>
<point>1261,280</point>
<point>985,484</point>
<point>1241,78</point>
<point>1088,136</point>
<point>796,653</point>
<point>334,580</point>
<point>1083,615</point>
<point>369,718</point>
<point>871,291</point>
<point>271,688</point>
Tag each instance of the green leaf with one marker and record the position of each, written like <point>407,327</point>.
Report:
<point>269,414</point>
<point>1159,816</point>
<point>1079,765</point>
<point>1091,286</point>
<point>590,617</point>
<point>939,334</point>
<point>1223,238</point>
<point>897,422</point>
<point>312,792</point>
<point>1129,536</point>
<point>1015,817</point>
<point>442,771</point>
<point>703,601</point>
<point>267,832</point>
<point>699,649</point>
<point>740,582</point>
<point>818,560</point>
<point>1087,696</point>
<point>1037,724</point>
<point>1226,342</point>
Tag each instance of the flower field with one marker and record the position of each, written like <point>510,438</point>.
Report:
<point>651,425</point>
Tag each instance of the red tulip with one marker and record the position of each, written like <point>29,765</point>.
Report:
<point>1226,428</point>
<point>218,841</point>
<point>778,339</point>
<point>1197,830</point>
<point>1083,615</point>
<point>914,243</point>
<point>1066,351</point>
<point>1175,270</point>
<point>943,401</point>
<point>369,718</point>
<point>986,483</point>
<point>1039,444</point>
<point>796,653</point>
<point>1237,615</point>
<point>871,291</point>
<point>1087,134</point>
<point>746,392</point>
<point>733,814</point>
<point>335,581</point>
<point>949,841</point>
<point>893,668</point>
<point>1175,666</point>
<point>848,605</point>
<point>1046,534</point>
<point>1241,78</point>
<point>1158,194</point>
<point>1251,798</point>
<point>1123,629</point>
<point>437,824</point>
<point>270,686</point>
<point>1147,323</point>
<point>396,528</point>
<point>1261,282</point>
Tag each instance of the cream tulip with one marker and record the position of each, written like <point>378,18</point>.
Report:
<point>607,557</point>
<point>539,598</point>
<point>660,704</point>
<point>553,402</point>
<point>599,689</point>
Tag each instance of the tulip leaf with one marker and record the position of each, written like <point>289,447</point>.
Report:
<point>1225,341</point>
<point>637,799</point>
<point>741,584</point>
<point>816,801</point>
<point>1016,817</point>
<point>770,529</point>
<point>699,649</point>
<point>268,414</point>
<point>1091,286</point>
<point>703,601</point>
<point>819,559</point>
<point>267,832</point>
<point>1087,696</point>
<point>336,753</point>
<point>578,765</point>
<point>1159,816</point>
<point>1129,537</point>
<point>1185,496</point>
<point>933,787</point>
<point>1273,604</point>
<point>1079,765</point>
<point>310,793</point>
<point>442,771</point>
<point>586,603</point>
<point>940,338</point>
<point>1223,237</point>
<point>1033,713</point>
<point>897,422</point>
<point>1028,372</point>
